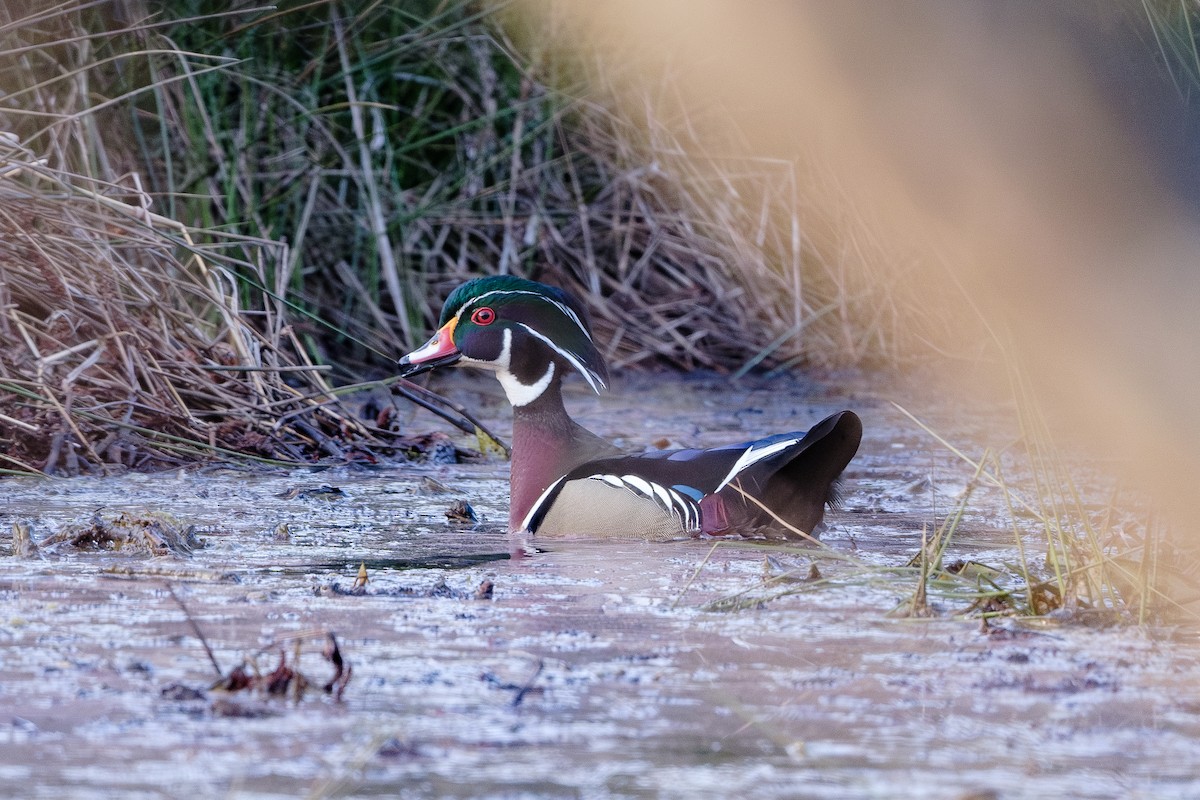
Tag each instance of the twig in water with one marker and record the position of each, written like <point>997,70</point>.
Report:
<point>195,629</point>
<point>695,574</point>
<point>919,607</point>
<point>427,399</point>
<point>524,690</point>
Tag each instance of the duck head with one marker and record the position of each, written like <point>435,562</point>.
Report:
<point>528,333</point>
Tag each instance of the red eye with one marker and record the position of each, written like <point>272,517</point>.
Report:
<point>483,316</point>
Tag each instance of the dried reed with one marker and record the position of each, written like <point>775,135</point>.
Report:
<point>128,338</point>
<point>400,154</point>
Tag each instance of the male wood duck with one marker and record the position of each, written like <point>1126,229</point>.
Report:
<point>566,481</point>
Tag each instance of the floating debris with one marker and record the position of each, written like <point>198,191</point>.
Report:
<point>484,591</point>
<point>397,748</point>
<point>441,450</point>
<point>434,486</point>
<point>774,572</point>
<point>975,570</point>
<point>179,693</point>
<point>237,680</point>
<point>329,494</point>
<point>342,669</point>
<point>521,689</point>
<point>286,680</point>
<point>22,541</point>
<point>461,512</point>
<point>147,532</point>
<point>228,707</point>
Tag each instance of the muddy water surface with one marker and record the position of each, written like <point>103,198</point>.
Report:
<point>594,670</point>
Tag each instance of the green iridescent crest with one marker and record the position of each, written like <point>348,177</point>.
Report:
<point>543,312</point>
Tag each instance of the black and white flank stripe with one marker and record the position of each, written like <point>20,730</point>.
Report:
<point>675,503</point>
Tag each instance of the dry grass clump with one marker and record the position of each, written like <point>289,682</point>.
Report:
<point>124,348</point>
<point>1080,553</point>
<point>126,338</point>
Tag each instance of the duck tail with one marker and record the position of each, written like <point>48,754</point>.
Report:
<point>808,478</point>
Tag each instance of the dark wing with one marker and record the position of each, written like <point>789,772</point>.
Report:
<point>678,480</point>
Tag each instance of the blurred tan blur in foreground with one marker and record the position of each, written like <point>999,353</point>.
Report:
<point>985,136</point>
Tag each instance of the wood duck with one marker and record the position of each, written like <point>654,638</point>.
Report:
<point>566,481</point>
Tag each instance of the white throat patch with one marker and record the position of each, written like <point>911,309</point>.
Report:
<point>519,394</point>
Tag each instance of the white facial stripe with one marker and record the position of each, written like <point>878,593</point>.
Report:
<point>591,377</point>
<point>752,456</point>
<point>565,309</point>
<point>519,394</point>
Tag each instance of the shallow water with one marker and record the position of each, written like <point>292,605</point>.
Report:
<point>594,671</point>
